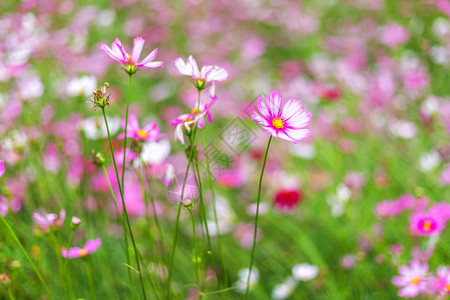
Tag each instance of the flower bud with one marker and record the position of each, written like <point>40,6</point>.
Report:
<point>188,204</point>
<point>130,69</point>
<point>75,222</point>
<point>101,98</point>
<point>200,84</point>
<point>98,158</point>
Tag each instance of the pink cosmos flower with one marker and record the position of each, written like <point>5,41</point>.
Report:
<point>426,223</point>
<point>197,116</point>
<point>148,133</point>
<point>90,247</point>
<point>206,75</point>
<point>117,52</point>
<point>441,283</point>
<point>2,169</point>
<point>412,279</point>
<point>288,123</point>
<point>47,221</point>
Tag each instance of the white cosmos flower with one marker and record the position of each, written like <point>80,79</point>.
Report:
<point>241,284</point>
<point>305,272</point>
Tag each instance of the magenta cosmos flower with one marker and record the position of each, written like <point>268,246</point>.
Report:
<point>131,61</point>
<point>288,123</point>
<point>90,247</point>
<point>202,76</point>
<point>412,279</point>
<point>426,223</point>
<point>150,132</point>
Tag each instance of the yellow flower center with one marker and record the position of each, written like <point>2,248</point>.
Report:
<point>447,288</point>
<point>142,133</point>
<point>278,123</point>
<point>196,111</point>
<point>129,57</point>
<point>427,225</point>
<point>415,281</point>
<point>83,252</point>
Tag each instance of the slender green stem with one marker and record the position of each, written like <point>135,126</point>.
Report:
<point>256,220</point>
<point>155,215</point>
<point>216,220</point>
<point>125,221</point>
<point>90,279</point>
<point>10,295</point>
<point>66,266</point>
<point>177,222</point>
<point>58,258</point>
<point>126,131</point>
<point>112,192</point>
<point>123,189</point>
<point>195,258</point>
<point>38,274</point>
<point>205,221</point>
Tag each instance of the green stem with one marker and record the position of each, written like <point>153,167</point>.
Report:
<point>58,257</point>
<point>177,222</point>
<point>205,222</point>
<point>196,258</point>
<point>123,189</point>
<point>13,235</point>
<point>66,267</point>
<point>216,219</point>
<point>256,220</point>
<point>125,237</point>
<point>155,215</point>
<point>90,279</point>
<point>126,131</point>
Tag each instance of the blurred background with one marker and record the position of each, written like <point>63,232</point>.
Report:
<point>374,74</point>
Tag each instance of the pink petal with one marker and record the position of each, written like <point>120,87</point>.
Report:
<point>194,66</point>
<point>74,252</point>
<point>298,120</point>
<point>258,119</point>
<point>149,58</point>
<point>262,107</point>
<point>111,53</point>
<point>118,48</point>
<point>183,68</point>
<point>273,101</point>
<point>217,74</point>
<point>297,134</point>
<point>138,45</point>
<point>153,65</point>
<point>92,245</point>
<point>290,108</point>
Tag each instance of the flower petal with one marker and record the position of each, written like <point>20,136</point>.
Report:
<point>258,119</point>
<point>153,65</point>
<point>273,101</point>
<point>193,63</point>
<point>115,56</point>
<point>217,74</point>
<point>92,245</point>
<point>138,45</point>
<point>149,58</point>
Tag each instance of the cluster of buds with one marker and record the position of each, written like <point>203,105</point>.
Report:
<point>101,98</point>
<point>98,158</point>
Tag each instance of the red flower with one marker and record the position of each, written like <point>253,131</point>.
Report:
<point>286,199</point>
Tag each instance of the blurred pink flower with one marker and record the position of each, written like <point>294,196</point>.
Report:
<point>394,35</point>
<point>150,132</point>
<point>89,247</point>
<point>288,123</point>
<point>117,52</point>
<point>287,199</point>
<point>445,176</point>
<point>47,221</point>
<point>412,279</point>
<point>426,223</point>
<point>441,283</point>
<point>415,79</point>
